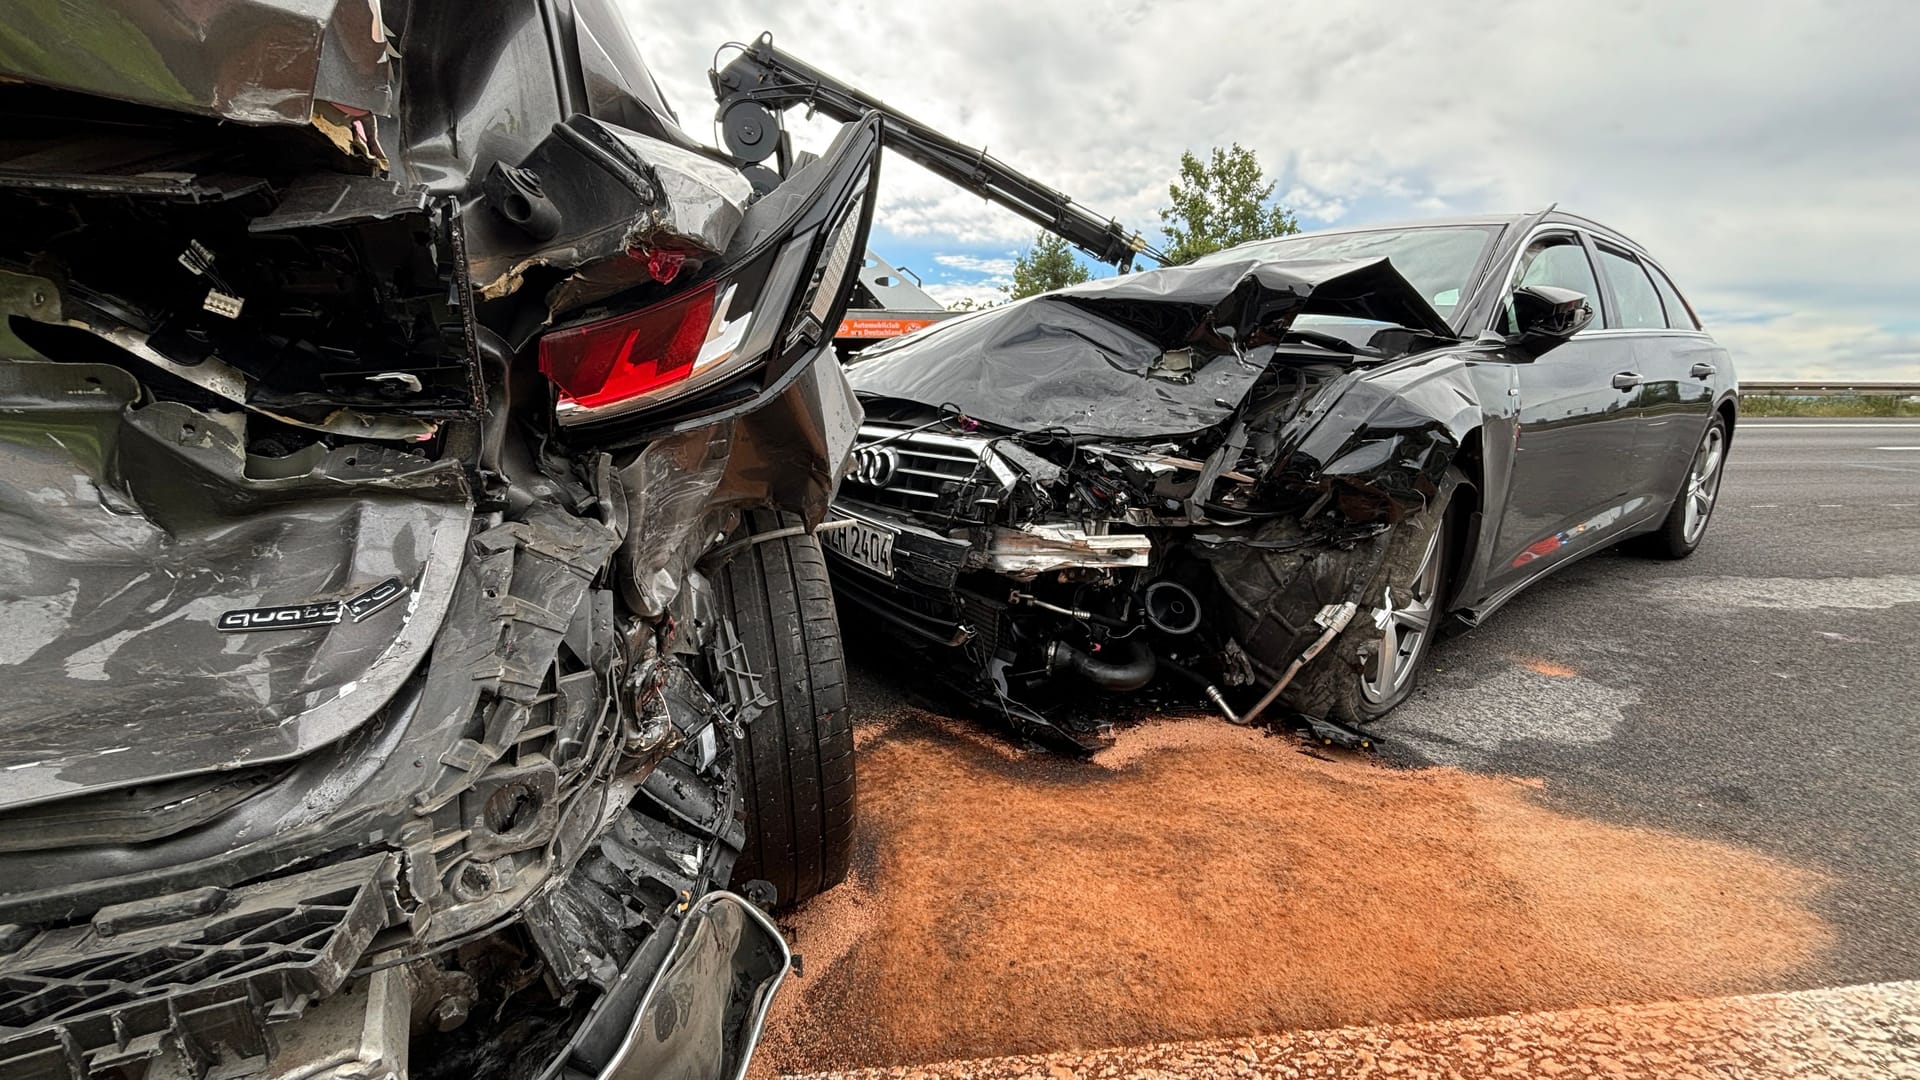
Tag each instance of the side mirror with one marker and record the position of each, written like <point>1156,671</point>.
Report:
<point>1545,316</point>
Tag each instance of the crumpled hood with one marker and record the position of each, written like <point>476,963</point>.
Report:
<point>1093,358</point>
<point>127,533</point>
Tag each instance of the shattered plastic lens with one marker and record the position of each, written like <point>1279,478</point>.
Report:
<point>833,274</point>
<point>624,357</point>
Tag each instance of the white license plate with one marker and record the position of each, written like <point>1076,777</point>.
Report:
<point>863,542</point>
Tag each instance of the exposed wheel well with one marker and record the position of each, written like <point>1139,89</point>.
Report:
<point>1464,517</point>
<point>1727,413</point>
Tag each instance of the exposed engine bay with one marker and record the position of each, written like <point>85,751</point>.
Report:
<point>1069,491</point>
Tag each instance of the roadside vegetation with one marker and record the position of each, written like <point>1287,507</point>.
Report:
<point>1217,201</point>
<point>1836,405</point>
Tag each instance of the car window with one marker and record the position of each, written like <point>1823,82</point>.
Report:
<point>1679,316</point>
<point>1633,295</point>
<point>1561,262</point>
<point>1437,260</point>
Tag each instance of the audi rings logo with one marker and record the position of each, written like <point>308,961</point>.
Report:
<point>875,465</point>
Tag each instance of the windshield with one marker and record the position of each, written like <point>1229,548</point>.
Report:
<point>1437,259</point>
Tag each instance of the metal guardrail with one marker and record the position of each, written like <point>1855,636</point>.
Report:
<point>1818,389</point>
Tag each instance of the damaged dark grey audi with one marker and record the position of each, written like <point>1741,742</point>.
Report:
<point>407,625</point>
<point>1269,476</point>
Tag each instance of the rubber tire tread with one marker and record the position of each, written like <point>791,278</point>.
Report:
<point>796,759</point>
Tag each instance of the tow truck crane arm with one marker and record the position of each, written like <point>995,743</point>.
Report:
<point>763,81</point>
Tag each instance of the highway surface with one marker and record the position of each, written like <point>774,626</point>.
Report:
<point>1765,691</point>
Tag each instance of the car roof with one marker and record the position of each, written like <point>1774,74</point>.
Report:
<point>1551,214</point>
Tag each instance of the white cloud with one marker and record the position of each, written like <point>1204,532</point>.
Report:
<point>949,293</point>
<point>1767,156</point>
<point>1001,269</point>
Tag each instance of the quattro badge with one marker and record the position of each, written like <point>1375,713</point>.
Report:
<point>317,613</point>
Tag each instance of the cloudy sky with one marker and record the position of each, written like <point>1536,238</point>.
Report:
<point>1767,153</point>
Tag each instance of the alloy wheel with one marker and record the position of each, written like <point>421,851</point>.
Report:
<point>1404,622</point>
<point>1703,482</point>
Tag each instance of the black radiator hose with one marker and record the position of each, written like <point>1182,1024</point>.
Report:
<point>1136,672</point>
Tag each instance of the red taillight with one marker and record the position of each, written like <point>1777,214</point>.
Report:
<point>624,357</point>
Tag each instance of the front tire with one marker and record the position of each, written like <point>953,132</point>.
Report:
<point>796,759</point>
<point>1376,664</point>
<point>1389,646</point>
<point>1275,591</point>
<point>1686,522</point>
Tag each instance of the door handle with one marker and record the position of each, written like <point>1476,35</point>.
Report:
<point>1702,371</point>
<point>1626,380</point>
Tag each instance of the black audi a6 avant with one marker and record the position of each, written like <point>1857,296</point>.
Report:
<point>1270,475</point>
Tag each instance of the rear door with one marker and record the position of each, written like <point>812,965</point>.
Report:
<point>1574,444</point>
<point>1694,364</point>
<point>1675,364</point>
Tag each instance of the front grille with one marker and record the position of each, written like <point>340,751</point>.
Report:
<point>209,968</point>
<point>926,471</point>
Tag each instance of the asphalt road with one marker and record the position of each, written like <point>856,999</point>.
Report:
<point>1762,692</point>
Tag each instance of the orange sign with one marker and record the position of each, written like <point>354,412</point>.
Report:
<point>880,328</point>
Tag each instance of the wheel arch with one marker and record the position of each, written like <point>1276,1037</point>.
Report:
<point>1466,516</point>
<point>1728,411</point>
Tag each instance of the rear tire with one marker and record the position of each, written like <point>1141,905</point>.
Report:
<point>796,759</point>
<point>1686,522</point>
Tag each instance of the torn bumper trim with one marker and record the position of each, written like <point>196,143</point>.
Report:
<point>699,1011</point>
<point>207,964</point>
<point>1039,549</point>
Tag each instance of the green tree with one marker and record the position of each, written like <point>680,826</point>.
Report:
<point>1221,202</point>
<point>1048,264</point>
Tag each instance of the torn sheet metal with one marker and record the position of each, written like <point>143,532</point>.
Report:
<point>344,309</point>
<point>703,1013</point>
<point>252,61</point>
<point>337,199</point>
<point>125,534</point>
<point>1378,450</point>
<point>601,201</point>
<point>216,377</point>
<point>1094,359</point>
<point>669,487</point>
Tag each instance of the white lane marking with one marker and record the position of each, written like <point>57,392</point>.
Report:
<point>1897,448</point>
<point>1758,425</point>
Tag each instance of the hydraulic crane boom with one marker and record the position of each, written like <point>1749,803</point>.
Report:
<point>763,81</point>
